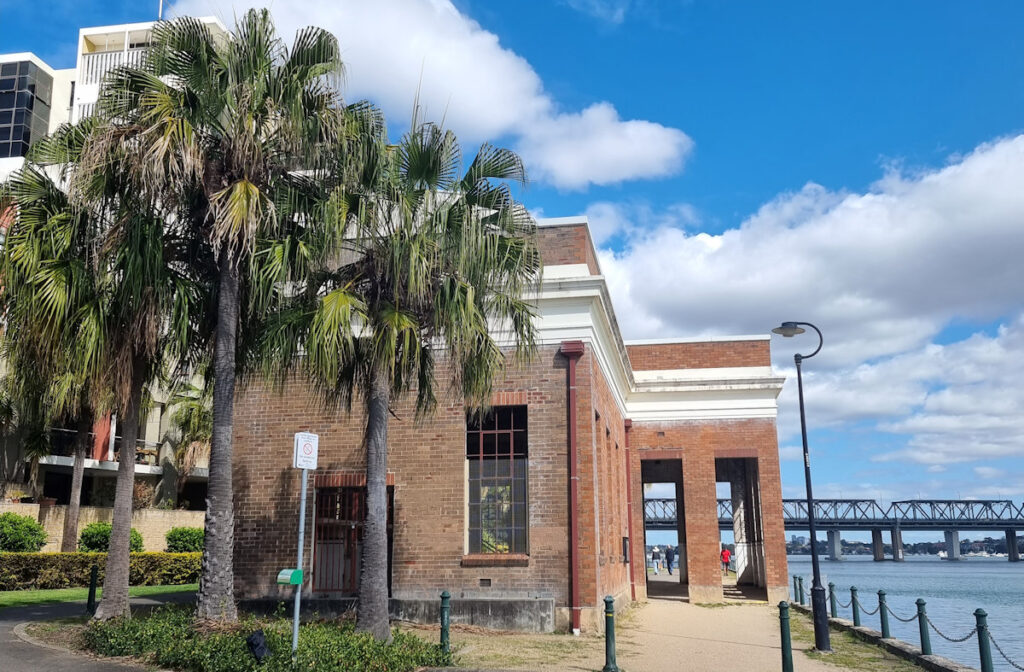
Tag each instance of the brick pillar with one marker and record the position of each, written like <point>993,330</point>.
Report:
<point>703,540</point>
<point>769,518</point>
<point>681,561</point>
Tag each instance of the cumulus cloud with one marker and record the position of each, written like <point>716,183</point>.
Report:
<point>883,273</point>
<point>482,90</point>
<point>880,272</point>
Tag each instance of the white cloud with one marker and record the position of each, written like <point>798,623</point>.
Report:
<point>612,11</point>
<point>482,90</point>
<point>573,151</point>
<point>883,273</point>
<point>791,453</point>
<point>988,472</point>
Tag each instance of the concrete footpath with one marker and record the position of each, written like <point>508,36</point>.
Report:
<point>17,655</point>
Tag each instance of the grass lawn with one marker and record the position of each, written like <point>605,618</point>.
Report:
<point>22,598</point>
<point>847,650</point>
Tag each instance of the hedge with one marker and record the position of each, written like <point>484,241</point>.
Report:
<point>185,539</point>
<point>29,571</point>
<point>20,534</point>
<point>95,538</point>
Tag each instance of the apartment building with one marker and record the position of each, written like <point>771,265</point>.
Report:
<point>35,99</point>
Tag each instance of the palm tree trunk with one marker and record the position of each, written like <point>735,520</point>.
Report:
<point>217,583</point>
<point>69,541</point>
<point>372,615</point>
<point>115,582</point>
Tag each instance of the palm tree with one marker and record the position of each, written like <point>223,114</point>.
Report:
<point>45,238</point>
<point>106,288</point>
<point>212,126</point>
<point>434,266</point>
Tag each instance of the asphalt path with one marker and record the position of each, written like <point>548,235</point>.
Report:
<point>17,655</point>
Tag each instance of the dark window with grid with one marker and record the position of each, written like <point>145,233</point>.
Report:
<point>496,450</point>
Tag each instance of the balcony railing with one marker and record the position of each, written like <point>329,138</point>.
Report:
<point>62,443</point>
<point>95,66</point>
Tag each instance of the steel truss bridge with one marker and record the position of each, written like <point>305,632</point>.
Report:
<point>867,514</point>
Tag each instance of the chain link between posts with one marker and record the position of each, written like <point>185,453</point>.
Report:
<point>1003,654</point>
<point>844,606</point>
<point>901,620</point>
<point>955,640</point>
<point>864,610</point>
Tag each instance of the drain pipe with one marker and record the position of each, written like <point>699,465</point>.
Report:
<point>629,514</point>
<point>572,351</point>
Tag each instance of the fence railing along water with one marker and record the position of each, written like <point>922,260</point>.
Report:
<point>980,631</point>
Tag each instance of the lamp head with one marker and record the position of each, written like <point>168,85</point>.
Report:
<point>788,329</point>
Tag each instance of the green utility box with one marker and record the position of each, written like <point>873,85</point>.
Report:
<point>290,577</point>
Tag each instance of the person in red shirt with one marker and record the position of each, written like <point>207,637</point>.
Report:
<point>726,556</point>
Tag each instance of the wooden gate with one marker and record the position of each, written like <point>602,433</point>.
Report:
<point>338,531</point>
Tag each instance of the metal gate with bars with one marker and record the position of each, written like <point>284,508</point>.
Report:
<point>338,539</point>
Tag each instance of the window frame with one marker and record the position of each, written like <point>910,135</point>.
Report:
<point>497,466</point>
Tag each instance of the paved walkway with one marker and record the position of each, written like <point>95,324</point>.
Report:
<point>20,656</point>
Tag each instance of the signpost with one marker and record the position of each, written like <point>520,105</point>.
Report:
<point>304,457</point>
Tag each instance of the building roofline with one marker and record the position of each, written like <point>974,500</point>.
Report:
<point>575,220</point>
<point>698,339</point>
<point>27,56</point>
<point>140,25</point>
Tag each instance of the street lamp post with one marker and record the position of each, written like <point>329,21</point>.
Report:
<point>821,633</point>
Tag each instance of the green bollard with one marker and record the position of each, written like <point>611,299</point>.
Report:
<point>833,600</point>
<point>609,635</point>
<point>446,607</point>
<point>796,590</point>
<point>883,614</point>
<point>922,625</point>
<point>787,641</point>
<point>984,648</point>
<point>800,580</point>
<point>94,575</point>
<point>855,606</point>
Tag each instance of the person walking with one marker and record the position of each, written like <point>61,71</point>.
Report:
<point>655,558</point>
<point>726,557</point>
<point>670,556</point>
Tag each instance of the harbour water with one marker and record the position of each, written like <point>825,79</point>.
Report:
<point>952,590</point>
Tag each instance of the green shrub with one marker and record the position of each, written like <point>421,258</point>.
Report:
<point>20,534</point>
<point>28,571</point>
<point>185,539</point>
<point>166,637</point>
<point>95,538</point>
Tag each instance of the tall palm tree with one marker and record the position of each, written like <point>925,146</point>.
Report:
<point>435,265</point>
<point>107,288</point>
<point>212,126</point>
<point>45,238</point>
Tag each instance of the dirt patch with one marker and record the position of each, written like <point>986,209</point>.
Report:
<point>65,633</point>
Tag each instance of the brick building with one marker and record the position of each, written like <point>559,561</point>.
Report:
<point>533,514</point>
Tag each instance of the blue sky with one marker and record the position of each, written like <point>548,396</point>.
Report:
<point>856,165</point>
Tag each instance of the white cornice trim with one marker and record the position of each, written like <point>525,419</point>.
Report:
<point>699,339</point>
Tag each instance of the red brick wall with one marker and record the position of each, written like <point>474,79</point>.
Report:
<point>569,244</point>
<point>697,444</point>
<point>704,355</point>
<point>427,460</point>
<point>608,440</point>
